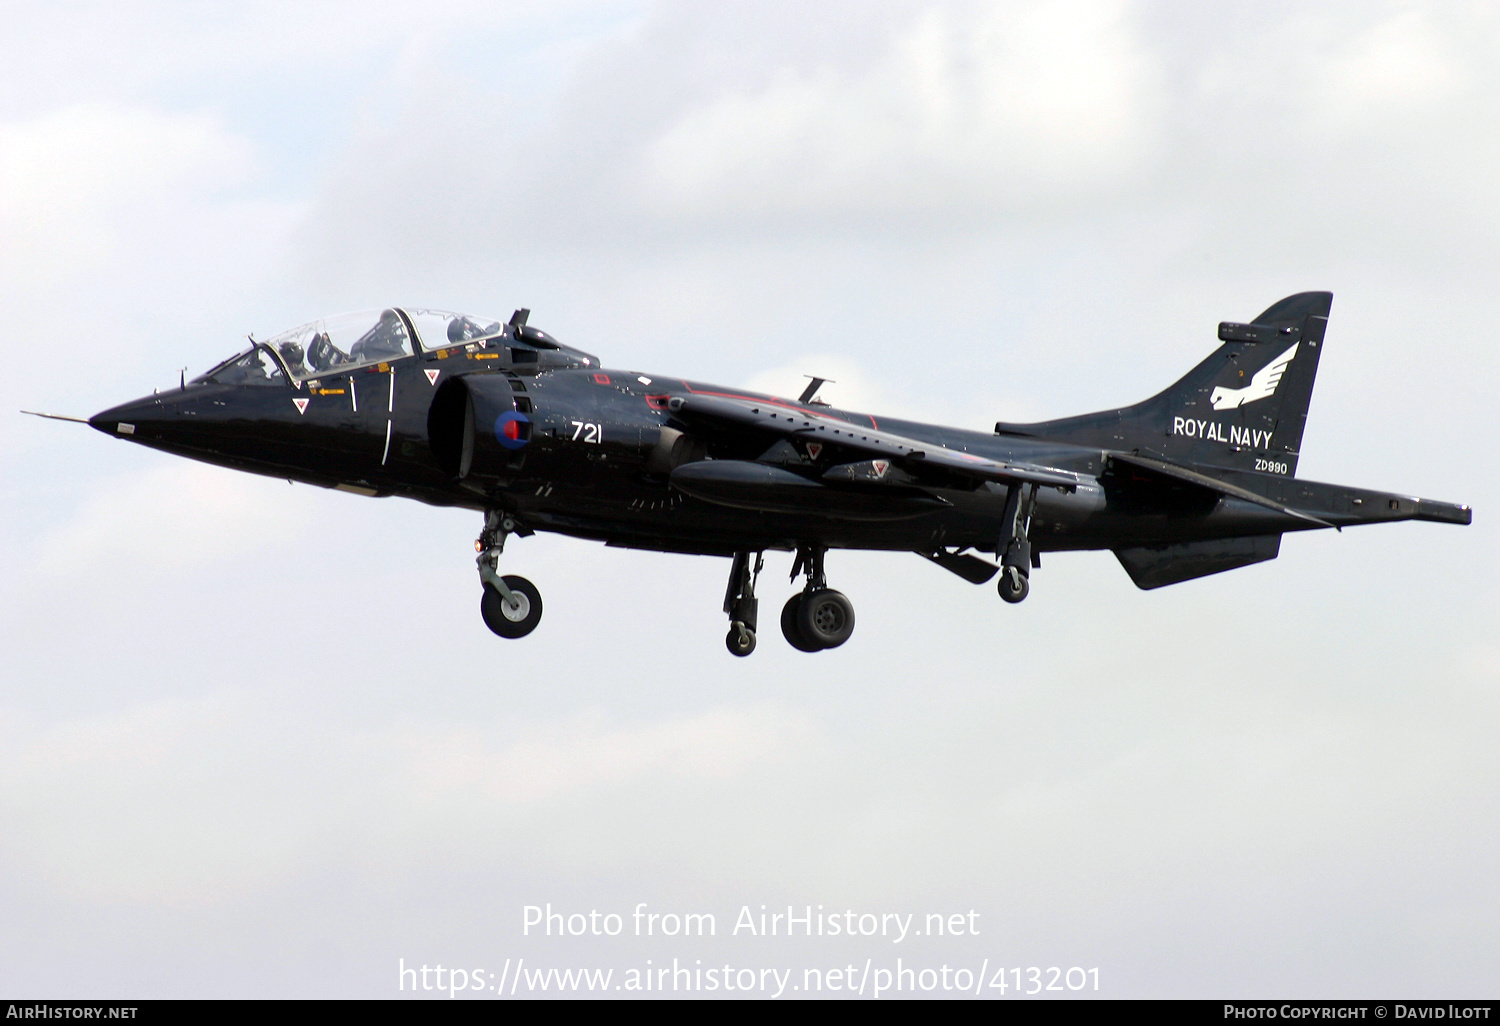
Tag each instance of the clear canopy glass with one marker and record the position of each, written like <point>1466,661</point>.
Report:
<point>441,328</point>
<point>333,345</point>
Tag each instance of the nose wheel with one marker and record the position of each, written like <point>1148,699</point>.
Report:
<point>516,616</point>
<point>511,606</point>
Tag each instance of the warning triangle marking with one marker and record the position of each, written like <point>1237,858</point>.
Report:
<point>432,376</point>
<point>813,448</point>
<point>881,466</point>
<point>301,404</point>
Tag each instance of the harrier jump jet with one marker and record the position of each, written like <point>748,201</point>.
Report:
<point>503,419</point>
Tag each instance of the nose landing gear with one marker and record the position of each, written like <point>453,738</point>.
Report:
<point>511,605</point>
<point>818,617</point>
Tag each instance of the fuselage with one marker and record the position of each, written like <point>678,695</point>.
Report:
<point>454,410</point>
<point>591,450</point>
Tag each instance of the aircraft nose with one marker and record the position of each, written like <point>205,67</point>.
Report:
<point>145,417</point>
<point>204,422</point>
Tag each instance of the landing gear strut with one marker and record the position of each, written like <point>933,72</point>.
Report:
<point>741,604</point>
<point>817,617</point>
<point>1014,549</point>
<point>511,606</point>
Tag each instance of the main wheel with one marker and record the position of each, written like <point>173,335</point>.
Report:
<point>740,640</point>
<point>512,621</point>
<point>826,618</point>
<point>790,627</point>
<point>1014,586</point>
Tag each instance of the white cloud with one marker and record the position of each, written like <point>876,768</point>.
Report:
<point>1401,65</point>
<point>67,177</point>
<point>206,800</point>
<point>969,111</point>
<point>592,753</point>
<point>176,516</point>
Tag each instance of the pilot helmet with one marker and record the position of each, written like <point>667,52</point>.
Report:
<point>291,352</point>
<point>460,329</point>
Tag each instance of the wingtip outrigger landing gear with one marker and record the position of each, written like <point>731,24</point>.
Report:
<point>1015,544</point>
<point>741,604</point>
<point>817,617</point>
<point>511,606</point>
<point>1014,585</point>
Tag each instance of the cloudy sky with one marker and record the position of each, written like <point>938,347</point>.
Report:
<point>255,740</point>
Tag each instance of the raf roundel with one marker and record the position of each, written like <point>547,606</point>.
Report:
<point>511,429</point>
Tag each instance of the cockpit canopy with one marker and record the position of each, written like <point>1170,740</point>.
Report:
<point>333,345</point>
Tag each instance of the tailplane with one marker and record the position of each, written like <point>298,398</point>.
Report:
<point>1243,408</point>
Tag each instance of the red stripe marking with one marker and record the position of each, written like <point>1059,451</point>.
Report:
<point>781,404</point>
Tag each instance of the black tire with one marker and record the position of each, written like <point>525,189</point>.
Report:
<point>508,622</point>
<point>826,618</point>
<point>1014,586</point>
<point>790,628</point>
<point>740,640</point>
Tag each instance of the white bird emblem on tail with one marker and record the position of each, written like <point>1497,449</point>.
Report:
<point>1262,385</point>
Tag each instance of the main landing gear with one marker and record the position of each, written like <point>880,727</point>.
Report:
<point>816,617</point>
<point>511,606</point>
<point>1014,549</point>
<point>813,619</point>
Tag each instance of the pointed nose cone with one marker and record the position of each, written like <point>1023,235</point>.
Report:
<point>202,422</point>
<point>137,420</point>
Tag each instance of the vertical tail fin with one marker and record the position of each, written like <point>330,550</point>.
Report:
<point>1244,407</point>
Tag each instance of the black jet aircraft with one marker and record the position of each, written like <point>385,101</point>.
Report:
<point>503,419</point>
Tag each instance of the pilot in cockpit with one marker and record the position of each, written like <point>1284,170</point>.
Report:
<point>385,341</point>
<point>463,329</point>
<point>322,354</point>
<point>291,355</point>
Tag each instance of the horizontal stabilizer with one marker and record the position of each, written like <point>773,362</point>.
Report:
<point>1444,512</point>
<point>1162,565</point>
<point>1314,502</point>
<point>1172,470</point>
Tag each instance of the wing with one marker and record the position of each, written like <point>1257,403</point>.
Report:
<point>880,449</point>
